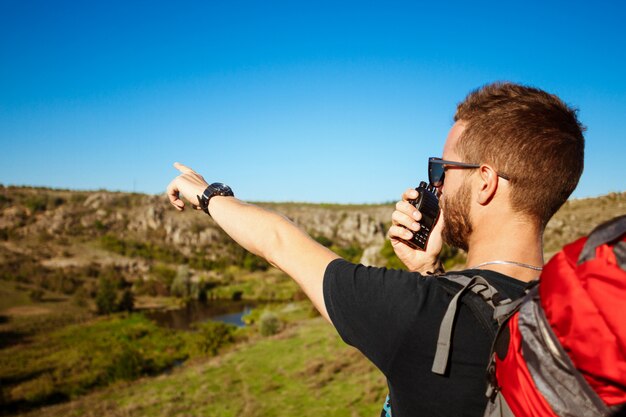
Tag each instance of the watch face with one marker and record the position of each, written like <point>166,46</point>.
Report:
<point>221,189</point>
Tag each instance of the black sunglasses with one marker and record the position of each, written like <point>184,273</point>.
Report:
<point>437,170</point>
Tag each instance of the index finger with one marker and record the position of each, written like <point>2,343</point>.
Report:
<point>183,168</point>
<point>410,194</point>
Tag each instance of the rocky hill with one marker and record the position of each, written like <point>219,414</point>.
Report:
<point>133,232</point>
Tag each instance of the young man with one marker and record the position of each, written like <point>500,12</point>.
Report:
<point>510,161</point>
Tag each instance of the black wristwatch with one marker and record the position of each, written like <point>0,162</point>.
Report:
<point>217,188</point>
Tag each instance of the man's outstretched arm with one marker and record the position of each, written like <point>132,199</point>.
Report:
<point>262,232</point>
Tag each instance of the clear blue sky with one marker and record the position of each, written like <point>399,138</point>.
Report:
<point>288,101</point>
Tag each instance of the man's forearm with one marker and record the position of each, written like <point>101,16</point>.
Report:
<point>278,240</point>
<point>258,230</point>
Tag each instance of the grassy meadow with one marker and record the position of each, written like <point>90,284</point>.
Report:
<point>262,377</point>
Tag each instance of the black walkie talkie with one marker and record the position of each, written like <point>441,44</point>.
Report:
<point>426,203</point>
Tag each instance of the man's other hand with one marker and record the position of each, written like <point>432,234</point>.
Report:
<point>404,221</point>
<point>189,184</point>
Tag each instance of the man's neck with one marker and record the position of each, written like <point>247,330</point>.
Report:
<point>512,240</point>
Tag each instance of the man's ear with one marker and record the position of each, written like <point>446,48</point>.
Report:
<point>488,184</point>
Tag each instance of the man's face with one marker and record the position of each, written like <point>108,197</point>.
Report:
<point>455,196</point>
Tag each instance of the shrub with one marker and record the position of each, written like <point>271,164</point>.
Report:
<point>58,201</point>
<point>251,317</point>
<point>5,201</point>
<point>269,324</point>
<point>37,202</point>
<point>127,363</point>
<point>113,244</point>
<point>213,335</point>
<point>99,226</point>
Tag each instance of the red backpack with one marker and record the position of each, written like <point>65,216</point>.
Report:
<point>562,351</point>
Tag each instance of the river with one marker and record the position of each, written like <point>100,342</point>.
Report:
<point>196,312</point>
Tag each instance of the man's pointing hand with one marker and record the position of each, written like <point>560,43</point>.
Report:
<point>189,185</point>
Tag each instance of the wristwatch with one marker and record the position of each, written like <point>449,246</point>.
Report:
<point>217,188</point>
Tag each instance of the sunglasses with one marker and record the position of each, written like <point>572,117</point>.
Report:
<point>437,170</point>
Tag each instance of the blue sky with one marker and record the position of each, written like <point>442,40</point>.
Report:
<point>288,101</point>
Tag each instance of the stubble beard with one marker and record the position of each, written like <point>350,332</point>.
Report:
<point>457,226</point>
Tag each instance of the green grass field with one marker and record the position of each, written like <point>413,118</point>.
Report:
<point>304,371</point>
<point>60,360</point>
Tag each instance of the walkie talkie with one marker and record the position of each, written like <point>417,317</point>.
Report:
<point>426,203</point>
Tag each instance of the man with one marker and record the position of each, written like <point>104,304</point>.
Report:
<point>521,154</point>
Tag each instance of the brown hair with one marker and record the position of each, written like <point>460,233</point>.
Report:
<point>529,135</point>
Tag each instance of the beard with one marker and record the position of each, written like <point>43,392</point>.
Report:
<point>457,226</point>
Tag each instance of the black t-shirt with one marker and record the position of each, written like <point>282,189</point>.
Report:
<point>393,318</point>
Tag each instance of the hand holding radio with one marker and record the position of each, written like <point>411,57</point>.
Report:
<point>415,233</point>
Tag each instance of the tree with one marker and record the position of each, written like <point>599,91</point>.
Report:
<point>181,287</point>
<point>127,301</point>
<point>106,295</point>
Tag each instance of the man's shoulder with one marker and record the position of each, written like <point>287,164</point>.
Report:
<point>410,282</point>
<point>341,268</point>
<point>396,286</point>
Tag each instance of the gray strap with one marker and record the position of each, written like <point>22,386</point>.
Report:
<point>479,286</point>
<point>459,279</point>
<point>620,254</point>
<point>498,407</point>
<point>502,311</point>
<point>486,291</point>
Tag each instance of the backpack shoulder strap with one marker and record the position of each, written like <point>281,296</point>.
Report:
<point>605,233</point>
<point>499,347</point>
<point>477,285</point>
<point>481,311</point>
